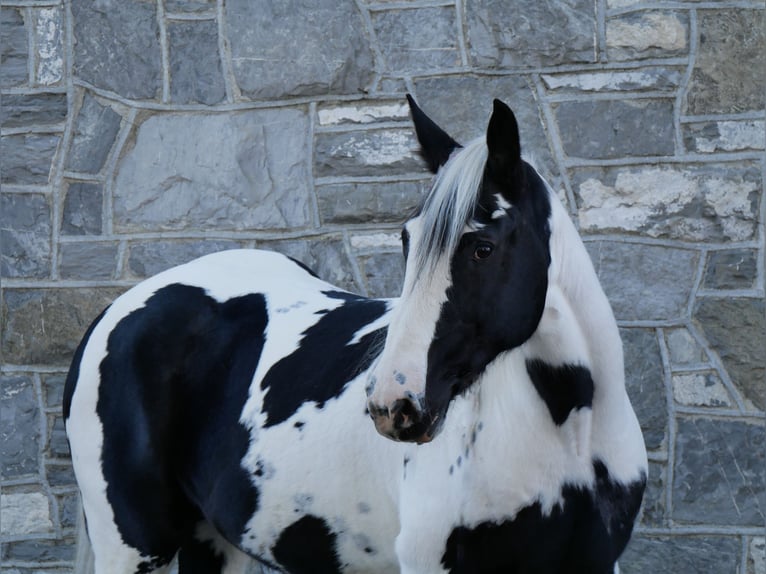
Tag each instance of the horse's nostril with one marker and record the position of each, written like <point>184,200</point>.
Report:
<point>405,414</point>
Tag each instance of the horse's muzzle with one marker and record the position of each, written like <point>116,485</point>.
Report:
<point>404,421</point>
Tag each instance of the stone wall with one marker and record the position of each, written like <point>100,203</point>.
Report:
<point>139,134</point>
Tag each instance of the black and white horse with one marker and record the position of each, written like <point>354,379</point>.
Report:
<point>222,408</point>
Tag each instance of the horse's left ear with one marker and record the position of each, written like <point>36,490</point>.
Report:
<point>503,144</point>
<point>435,144</point>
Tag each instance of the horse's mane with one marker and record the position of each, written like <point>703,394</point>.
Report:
<point>451,203</point>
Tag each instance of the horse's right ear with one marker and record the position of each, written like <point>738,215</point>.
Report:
<point>435,144</point>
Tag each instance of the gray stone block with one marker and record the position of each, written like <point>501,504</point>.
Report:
<point>736,330</point>
<point>503,38</point>
<point>233,171</point>
<point>276,54</point>
<point>57,445</point>
<point>462,105</point>
<point>25,234</point>
<point>365,153</point>
<point>729,70</point>
<point>20,431</point>
<point>26,158</point>
<point>647,34</point>
<point>49,45</point>
<point>363,112</point>
<point>14,48</point>
<point>681,554</point>
<point>731,269</point>
<point>83,206</point>
<point>40,551</point>
<point>60,475</point>
<point>607,129</point>
<point>695,202</point>
<point>117,47</point>
<point>53,390</point>
<point>383,273</point>
<point>189,6</point>
<point>725,136</point>
<point>88,261</point>
<point>69,510</point>
<point>28,110</point>
<point>95,130</point>
<point>700,389</point>
<point>326,256</point>
<point>26,510</point>
<point>683,348</point>
<point>195,67</point>
<point>147,258</point>
<point>377,202</point>
<point>756,556</point>
<point>417,40</point>
<point>665,79</point>
<point>645,282</point>
<point>719,473</point>
<point>66,314</point>
<point>653,505</point>
<point>644,379</point>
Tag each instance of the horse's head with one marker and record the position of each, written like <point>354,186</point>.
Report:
<point>477,259</point>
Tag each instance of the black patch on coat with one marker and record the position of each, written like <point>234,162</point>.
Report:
<point>74,369</point>
<point>584,535</point>
<point>199,557</point>
<point>319,369</point>
<point>173,383</point>
<point>307,546</point>
<point>564,388</point>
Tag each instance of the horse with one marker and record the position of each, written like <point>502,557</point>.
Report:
<point>238,406</point>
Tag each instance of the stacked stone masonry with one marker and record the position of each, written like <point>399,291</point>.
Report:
<point>139,134</point>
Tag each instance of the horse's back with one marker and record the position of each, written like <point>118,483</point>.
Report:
<point>160,409</point>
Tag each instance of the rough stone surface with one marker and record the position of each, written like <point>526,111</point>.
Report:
<point>88,261</point>
<point>364,112</point>
<point>681,555</point>
<point>653,507</point>
<point>53,390</point>
<point>417,40</point>
<point>700,389</point>
<point>736,329</point>
<point>731,269</point>
<point>42,550</point>
<point>605,129</point>
<point>644,381</point>
<point>756,557</point>
<point>360,153</point>
<point>383,274</point>
<point>195,68</point>
<point>43,326</point>
<point>49,44</point>
<point>348,203</point>
<point>683,348</point>
<point>83,206</point>
<point>719,472</point>
<point>14,48</point>
<point>222,171</point>
<point>117,46</point>
<point>644,282</point>
<point>147,258</point>
<point>60,475</point>
<point>189,6</point>
<point>33,109</point>
<point>57,444</point>
<point>502,38</point>
<point>274,54</point>
<point>730,69</point>
<point>26,158</point>
<point>25,230</point>
<point>654,79</point>
<point>19,427</point>
<point>650,34</point>
<point>714,202</point>
<point>95,130</point>
<point>725,136</point>
<point>25,513</point>
<point>326,256</point>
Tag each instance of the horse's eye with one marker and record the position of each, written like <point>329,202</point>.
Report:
<point>482,251</point>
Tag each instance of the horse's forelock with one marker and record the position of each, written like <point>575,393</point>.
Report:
<point>450,205</point>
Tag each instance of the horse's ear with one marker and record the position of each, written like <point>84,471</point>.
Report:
<point>503,144</point>
<point>435,144</point>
